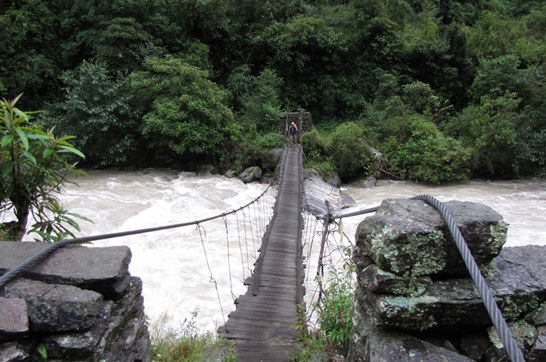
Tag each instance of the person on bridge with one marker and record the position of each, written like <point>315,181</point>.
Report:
<point>292,132</point>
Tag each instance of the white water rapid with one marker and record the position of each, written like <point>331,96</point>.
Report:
<point>172,264</point>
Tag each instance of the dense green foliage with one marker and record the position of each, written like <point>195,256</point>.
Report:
<point>33,170</point>
<point>443,90</point>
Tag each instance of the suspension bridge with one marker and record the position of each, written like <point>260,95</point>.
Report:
<point>263,326</point>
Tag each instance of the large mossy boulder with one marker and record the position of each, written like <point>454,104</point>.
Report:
<point>409,238</point>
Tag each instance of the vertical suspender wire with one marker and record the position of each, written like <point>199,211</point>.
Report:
<point>320,267</point>
<point>312,234</point>
<point>262,214</point>
<point>246,242</point>
<point>228,258</point>
<point>257,225</point>
<point>252,233</point>
<point>240,247</point>
<point>211,278</point>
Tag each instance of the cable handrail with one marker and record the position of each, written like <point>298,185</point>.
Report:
<point>44,253</point>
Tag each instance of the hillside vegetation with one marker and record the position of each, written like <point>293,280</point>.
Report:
<point>445,90</point>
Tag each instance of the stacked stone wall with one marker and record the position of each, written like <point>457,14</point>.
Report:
<point>416,300</point>
<point>80,304</point>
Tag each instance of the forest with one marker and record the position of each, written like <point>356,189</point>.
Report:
<point>444,90</point>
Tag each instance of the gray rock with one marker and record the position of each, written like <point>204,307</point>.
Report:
<point>371,343</point>
<point>13,318</point>
<point>105,270</point>
<point>311,173</point>
<point>250,174</point>
<point>516,286</point>
<point>332,179</point>
<point>120,335</point>
<point>410,238</point>
<point>71,323</point>
<point>538,351</point>
<point>56,308</point>
<point>206,170</point>
<point>79,346</point>
<point>272,158</point>
<point>13,352</point>
<point>317,192</point>
<point>231,173</point>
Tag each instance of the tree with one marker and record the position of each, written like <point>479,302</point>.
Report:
<point>261,105</point>
<point>489,130</point>
<point>98,111</point>
<point>33,169</point>
<point>425,154</point>
<point>30,51</point>
<point>185,114</point>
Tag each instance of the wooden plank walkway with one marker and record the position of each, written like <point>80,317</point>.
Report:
<point>263,327</point>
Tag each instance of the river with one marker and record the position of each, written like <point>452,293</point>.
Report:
<point>172,264</point>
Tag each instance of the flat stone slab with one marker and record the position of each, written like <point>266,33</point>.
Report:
<point>517,281</point>
<point>105,269</point>
<point>13,318</point>
<point>410,238</point>
<point>316,192</point>
<point>55,307</point>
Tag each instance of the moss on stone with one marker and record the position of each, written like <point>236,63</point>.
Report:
<point>499,233</point>
<point>406,312</point>
<point>426,253</point>
<point>514,306</point>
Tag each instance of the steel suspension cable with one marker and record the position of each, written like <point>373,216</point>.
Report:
<point>44,253</point>
<point>503,331</point>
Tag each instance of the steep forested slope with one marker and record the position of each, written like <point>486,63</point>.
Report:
<point>446,90</point>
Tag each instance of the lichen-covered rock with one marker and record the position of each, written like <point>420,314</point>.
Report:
<point>416,301</point>
<point>409,238</point>
<point>369,342</point>
<point>378,281</point>
<point>517,288</point>
<point>538,351</point>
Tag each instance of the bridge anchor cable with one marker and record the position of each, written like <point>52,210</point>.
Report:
<point>510,344</point>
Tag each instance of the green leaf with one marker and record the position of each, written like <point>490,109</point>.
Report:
<point>72,150</point>
<point>30,157</point>
<point>42,352</point>
<point>23,137</point>
<point>7,139</point>
<point>21,114</point>
<point>81,217</point>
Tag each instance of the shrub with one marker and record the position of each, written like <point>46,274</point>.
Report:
<point>270,140</point>
<point>33,169</point>
<point>427,155</point>
<point>336,308</point>
<point>351,152</point>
